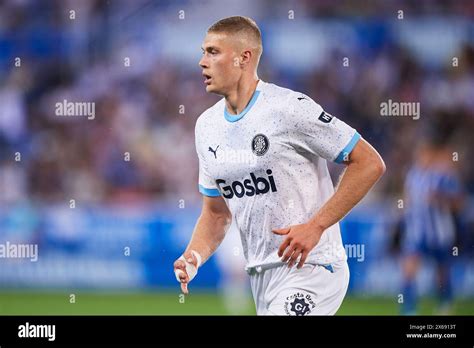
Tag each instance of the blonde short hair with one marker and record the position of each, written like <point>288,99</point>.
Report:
<point>238,25</point>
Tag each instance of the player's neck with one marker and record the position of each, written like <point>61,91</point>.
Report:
<point>238,99</point>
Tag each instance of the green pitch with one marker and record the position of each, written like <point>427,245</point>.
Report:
<point>168,303</point>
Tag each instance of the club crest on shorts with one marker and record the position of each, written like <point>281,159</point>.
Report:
<point>260,144</point>
<point>299,304</point>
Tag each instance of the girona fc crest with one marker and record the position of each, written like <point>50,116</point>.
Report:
<point>260,144</point>
<point>299,304</point>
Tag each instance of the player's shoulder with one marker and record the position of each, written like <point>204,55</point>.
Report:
<point>276,95</point>
<point>288,98</point>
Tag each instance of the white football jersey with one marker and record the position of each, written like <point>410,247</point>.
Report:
<point>269,165</point>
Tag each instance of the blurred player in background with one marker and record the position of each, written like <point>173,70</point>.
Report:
<point>433,194</point>
<point>279,193</point>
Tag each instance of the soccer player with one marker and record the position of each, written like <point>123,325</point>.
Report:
<point>434,197</point>
<point>262,153</point>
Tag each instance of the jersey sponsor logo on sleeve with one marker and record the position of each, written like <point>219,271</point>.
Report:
<point>260,144</point>
<point>249,187</point>
<point>325,117</point>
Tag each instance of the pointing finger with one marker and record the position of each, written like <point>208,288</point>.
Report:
<point>184,288</point>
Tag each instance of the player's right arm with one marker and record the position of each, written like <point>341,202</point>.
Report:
<point>208,234</point>
<point>215,216</point>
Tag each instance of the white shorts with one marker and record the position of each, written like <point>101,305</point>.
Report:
<point>311,290</point>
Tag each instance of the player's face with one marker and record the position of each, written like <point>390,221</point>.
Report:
<point>217,63</point>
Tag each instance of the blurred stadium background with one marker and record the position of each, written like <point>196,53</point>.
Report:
<point>111,201</point>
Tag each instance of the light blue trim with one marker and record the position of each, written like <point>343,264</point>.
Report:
<point>235,118</point>
<point>209,192</point>
<point>349,147</point>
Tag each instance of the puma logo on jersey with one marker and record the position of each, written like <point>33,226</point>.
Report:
<point>213,151</point>
<point>249,187</point>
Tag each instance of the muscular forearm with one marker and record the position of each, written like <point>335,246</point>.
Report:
<point>357,180</point>
<point>208,234</point>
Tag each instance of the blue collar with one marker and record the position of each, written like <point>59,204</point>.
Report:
<point>234,118</point>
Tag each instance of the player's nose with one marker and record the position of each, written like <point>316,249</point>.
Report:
<point>203,63</point>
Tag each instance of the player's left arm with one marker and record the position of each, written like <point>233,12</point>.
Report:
<point>364,168</point>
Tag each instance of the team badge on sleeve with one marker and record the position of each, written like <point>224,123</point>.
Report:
<point>260,144</point>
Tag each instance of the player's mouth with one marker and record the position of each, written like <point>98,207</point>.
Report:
<point>207,78</point>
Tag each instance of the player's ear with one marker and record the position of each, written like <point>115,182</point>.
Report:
<point>245,57</point>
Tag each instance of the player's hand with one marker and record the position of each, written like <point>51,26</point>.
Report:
<point>299,241</point>
<point>185,268</point>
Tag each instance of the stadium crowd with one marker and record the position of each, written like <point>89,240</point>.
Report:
<point>147,111</point>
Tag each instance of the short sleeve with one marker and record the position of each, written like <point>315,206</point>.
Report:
<point>207,185</point>
<point>319,132</point>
